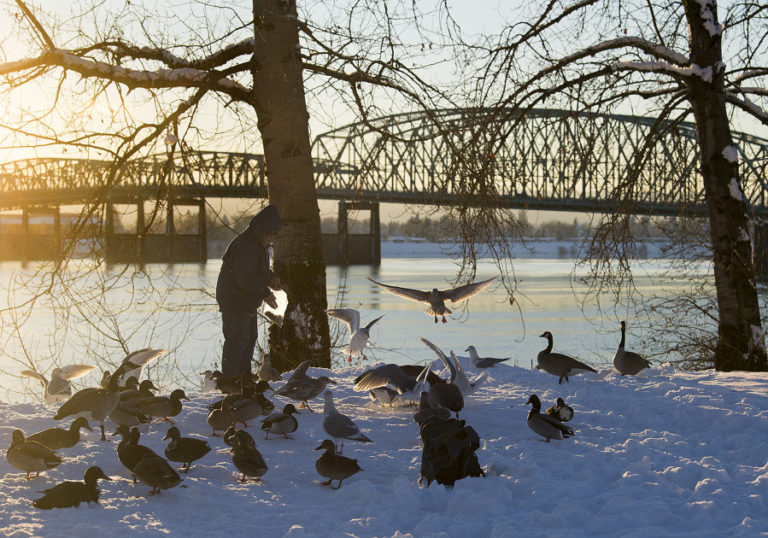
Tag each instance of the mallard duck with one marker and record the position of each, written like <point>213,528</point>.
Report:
<point>57,438</point>
<point>267,372</point>
<point>301,388</point>
<point>135,392</point>
<point>232,436</point>
<point>333,466</point>
<point>157,473</point>
<point>133,364</point>
<point>221,419</point>
<point>546,426</point>
<point>161,406</point>
<point>69,494</point>
<point>358,336</point>
<point>481,363</point>
<point>340,426</point>
<point>227,385</point>
<point>58,389</point>
<point>184,450</point>
<point>436,298</point>
<point>558,364</point>
<point>248,460</point>
<point>628,362</point>
<point>397,378</point>
<point>281,423</point>
<point>126,414</point>
<point>30,456</point>
<point>129,451</point>
<point>560,411</point>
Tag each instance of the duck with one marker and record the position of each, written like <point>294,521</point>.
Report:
<point>484,362</point>
<point>184,450</point>
<point>70,493</point>
<point>334,466</point>
<point>30,456</point>
<point>135,392</point>
<point>161,406</point>
<point>134,363</point>
<point>281,423</point>
<point>558,364</point>
<point>248,460</point>
<point>436,298</point>
<point>266,371</point>
<point>222,418</point>
<point>233,436</point>
<point>58,438</point>
<point>129,451</point>
<point>92,403</point>
<point>58,389</point>
<point>560,411</point>
<point>545,425</point>
<point>628,362</point>
<point>394,377</point>
<point>126,414</point>
<point>301,388</point>
<point>340,426</point>
<point>157,473</point>
<point>226,385</point>
<point>358,336</point>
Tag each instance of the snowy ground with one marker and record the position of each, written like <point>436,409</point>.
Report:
<point>664,454</point>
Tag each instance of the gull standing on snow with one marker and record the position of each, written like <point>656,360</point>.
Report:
<point>340,426</point>
<point>436,298</point>
<point>481,363</point>
<point>458,376</point>
<point>358,336</point>
<point>59,389</point>
<point>300,387</point>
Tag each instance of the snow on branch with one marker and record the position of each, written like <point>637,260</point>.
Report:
<point>693,70</point>
<point>747,106</point>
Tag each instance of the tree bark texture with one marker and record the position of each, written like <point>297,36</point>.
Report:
<point>279,101</point>
<point>741,342</point>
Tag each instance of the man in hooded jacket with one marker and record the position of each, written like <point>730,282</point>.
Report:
<point>244,283</point>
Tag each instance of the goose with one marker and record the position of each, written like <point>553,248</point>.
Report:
<point>30,456</point>
<point>481,363</point>
<point>161,406</point>
<point>393,376</point>
<point>628,362</point>
<point>281,423</point>
<point>436,298</point>
<point>157,473</point>
<point>301,388</point>
<point>58,388</point>
<point>248,460</point>
<point>129,451</point>
<point>340,426</point>
<point>184,450</point>
<point>560,411</point>
<point>57,438</point>
<point>266,371</point>
<point>222,418</point>
<point>91,403</point>
<point>558,364</point>
<point>545,425</point>
<point>134,363</point>
<point>358,336</point>
<point>68,494</point>
<point>334,466</point>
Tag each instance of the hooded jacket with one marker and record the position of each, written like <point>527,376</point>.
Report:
<point>245,273</point>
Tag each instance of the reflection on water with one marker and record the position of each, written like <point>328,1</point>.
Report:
<point>188,322</point>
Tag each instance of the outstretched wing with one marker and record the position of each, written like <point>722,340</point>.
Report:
<point>350,316</point>
<point>445,360</point>
<point>406,293</point>
<point>466,291</point>
<point>32,373</point>
<point>386,374</point>
<point>143,356</point>
<point>73,371</point>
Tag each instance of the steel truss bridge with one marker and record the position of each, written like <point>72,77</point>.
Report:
<point>546,159</point>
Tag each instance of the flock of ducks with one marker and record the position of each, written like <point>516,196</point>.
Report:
<point>127,402</point>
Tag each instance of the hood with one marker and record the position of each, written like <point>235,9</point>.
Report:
<point>265,221</point>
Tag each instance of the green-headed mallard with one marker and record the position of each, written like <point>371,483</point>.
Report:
<point>163,407</point>
<point>30,456</point>
<point>558,364</point>
<point>129,451</point>
<point>333,466</point>
<point>281,423</point>
<point>184,450</point>
<point>546,426</point>
<point>57,438</point>
<point>69,494</point>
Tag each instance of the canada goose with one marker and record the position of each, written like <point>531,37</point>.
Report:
<point>184,450</point>
<point>546,426</point>
<point>436,298</point>
<point>58,388</point>
<point>91,403</point>
<point>628,362</point>
<point>301,388</point>
<point>358,336</point>
<point>334,466</point>
<point>57,438</point>
<point>481,363</point>
<point>558,364</point>
<point>69,493</point>
<point>560,411</point>
<point>281,423</point>
<point>157,473</point>
<point>340,426</point>
<point>30,456</point>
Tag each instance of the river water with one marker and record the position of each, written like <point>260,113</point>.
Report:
<point>188,323</point>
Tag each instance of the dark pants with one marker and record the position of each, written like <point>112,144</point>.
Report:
<point>240,332</point>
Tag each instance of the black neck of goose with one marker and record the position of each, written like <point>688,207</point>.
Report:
<point>549,343</point>
<point>623,330</point>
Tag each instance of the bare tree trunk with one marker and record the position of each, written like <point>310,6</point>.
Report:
<point>741,342</point>
<point>278,91</point>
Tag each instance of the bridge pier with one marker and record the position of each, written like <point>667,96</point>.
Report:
<point>345,248</point>
<point>26,241</point>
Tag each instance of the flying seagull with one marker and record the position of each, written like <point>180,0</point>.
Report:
<point>58,389</point>
<point>436,298</point>
<point>358,336</point>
